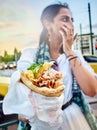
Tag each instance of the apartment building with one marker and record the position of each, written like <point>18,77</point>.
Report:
<point>83,43</point>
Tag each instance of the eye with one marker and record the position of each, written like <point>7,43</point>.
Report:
<point>66,19</point>
<point>72,19</point>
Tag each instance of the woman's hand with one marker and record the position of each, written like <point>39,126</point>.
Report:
<point>68,38</point>
<point>21,118</point>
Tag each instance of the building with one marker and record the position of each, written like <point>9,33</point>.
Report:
<point>83,43</point>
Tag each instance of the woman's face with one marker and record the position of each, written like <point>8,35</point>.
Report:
<point>62,20</point>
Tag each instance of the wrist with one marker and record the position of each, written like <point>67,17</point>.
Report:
<point>68,51</point>
<point>70,54</point>
<point>72,58</point>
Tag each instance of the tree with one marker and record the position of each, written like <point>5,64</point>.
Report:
<point>15,51</point>
<point>7,58</point>
<point>5,53</point>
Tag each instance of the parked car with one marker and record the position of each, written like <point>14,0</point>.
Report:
<point>92,60</point>
<point>3,66</point>
<point>11,65</point>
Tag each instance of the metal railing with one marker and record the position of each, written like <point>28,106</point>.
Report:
<point>7,120</point>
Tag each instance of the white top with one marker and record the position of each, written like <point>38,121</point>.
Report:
<point>43,112</point>
<point>28,56</point>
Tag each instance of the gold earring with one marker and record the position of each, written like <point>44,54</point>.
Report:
<point>48,35</point>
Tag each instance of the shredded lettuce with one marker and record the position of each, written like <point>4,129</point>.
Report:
<point>35,68</point>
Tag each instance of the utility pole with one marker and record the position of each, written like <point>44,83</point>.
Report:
<point>81,38</point>
<point>90,23</point>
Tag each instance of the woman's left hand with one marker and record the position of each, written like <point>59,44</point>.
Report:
<point>23,119</point>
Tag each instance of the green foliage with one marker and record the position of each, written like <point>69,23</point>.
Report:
<point>7,58</point>
<point>1,59</point>
<point>5,53</point>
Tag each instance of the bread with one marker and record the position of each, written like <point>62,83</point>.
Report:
<point>50,92</point>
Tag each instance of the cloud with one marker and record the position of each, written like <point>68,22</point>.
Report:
<point>13,10</point>
<point>17,17</point>
<point>20,44</point>
<point>93,26</point>
<point>33,42</point>
<point>10,25</point>
<point>19,25</point>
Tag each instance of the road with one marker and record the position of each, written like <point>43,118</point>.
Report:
<point>7,72</point>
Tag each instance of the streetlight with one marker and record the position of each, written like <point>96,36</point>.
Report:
<point>90,23</point>
<point>81,38</point>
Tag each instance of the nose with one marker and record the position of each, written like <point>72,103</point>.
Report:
<point>71,22</point>
<point>70,25</point>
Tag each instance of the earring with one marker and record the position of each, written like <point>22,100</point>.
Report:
<point>49,35</point>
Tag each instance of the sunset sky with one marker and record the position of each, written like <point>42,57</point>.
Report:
<point>20,21</point>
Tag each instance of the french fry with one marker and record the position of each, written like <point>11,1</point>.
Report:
<point>44,67</point>
<point>29,74</point>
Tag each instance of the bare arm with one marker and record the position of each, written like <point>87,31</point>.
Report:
<point>86,80</point>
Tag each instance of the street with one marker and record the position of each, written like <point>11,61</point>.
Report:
<point>7,72</point>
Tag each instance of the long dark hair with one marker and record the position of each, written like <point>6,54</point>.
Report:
<point>49,14</point>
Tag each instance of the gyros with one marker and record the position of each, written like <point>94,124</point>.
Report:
<point>43,79</point>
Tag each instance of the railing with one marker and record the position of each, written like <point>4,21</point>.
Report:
<point>5,124</point>
<point>7,120</point>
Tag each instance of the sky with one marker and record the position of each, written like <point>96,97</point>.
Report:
<point>20,24</point>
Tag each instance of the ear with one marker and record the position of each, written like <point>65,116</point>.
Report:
<point>47,24</point>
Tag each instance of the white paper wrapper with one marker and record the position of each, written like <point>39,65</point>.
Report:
<point>37,108</point>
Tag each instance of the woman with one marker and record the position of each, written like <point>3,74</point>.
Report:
<point>56,43</point>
